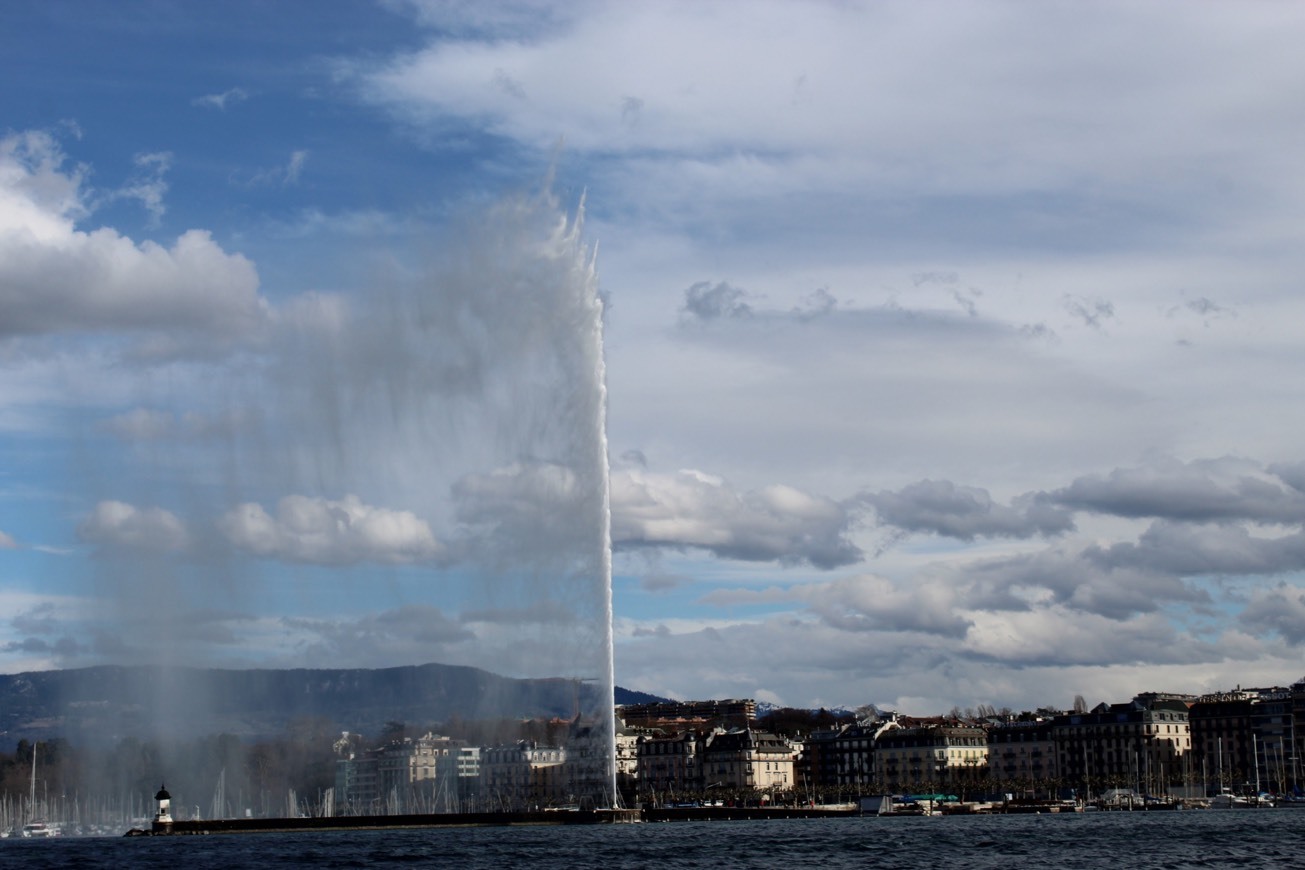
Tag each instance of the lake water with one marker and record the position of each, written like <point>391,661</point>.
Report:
<point>1251,838</point>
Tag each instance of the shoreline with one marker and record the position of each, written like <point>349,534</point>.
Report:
<point>454,820</point>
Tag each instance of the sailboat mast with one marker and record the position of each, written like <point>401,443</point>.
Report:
<point>31,800</point>
<point>1255,759</point>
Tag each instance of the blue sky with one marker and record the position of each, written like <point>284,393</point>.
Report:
<point>951,348</point>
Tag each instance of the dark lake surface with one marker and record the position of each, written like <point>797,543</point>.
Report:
<point>1199,838</point>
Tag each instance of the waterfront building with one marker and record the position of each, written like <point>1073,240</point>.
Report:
<point>425,775</point>
<point>407,773</point>
<point>1022,756</point>
<point>1156,743</point>
<point>467,762</point>
<point>746,760</point>
<point>854,756</point>
<point>667,767</point>
<point>932,758</point>
<point>457,776</point>
<point>816,768</point>
<point>1140,745</point>
<point>843,759</point>
<point>357,790</point>
<point>589,765</point>
<point>627,763</point>
<point>1243,740</point>
<point>524,776</point>
<point>627,744</point>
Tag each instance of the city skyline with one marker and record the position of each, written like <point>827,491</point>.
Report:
<point>950,348</point>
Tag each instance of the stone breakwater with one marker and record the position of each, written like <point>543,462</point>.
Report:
<point>449,820</point>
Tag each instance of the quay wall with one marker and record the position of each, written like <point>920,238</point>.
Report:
<point>569,817</point>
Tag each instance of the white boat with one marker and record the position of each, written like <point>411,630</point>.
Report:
<point>1226,800</point>
<point>37,827</point>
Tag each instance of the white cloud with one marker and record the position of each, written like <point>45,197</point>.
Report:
<point>926,274</point>
<point>1279,610</point>
<point>963,512</point>
<point>295,166</point>
<point>1099,611</point>
<point>115,525</point>
<point>38,198</point>
<point>515,645</point>
<point>1203,490</point>
<point>147,184</point>
<point>524,513</point>
<point>519,495</point>
<point>1057,636</point>
<point>869,603</point>
<point>44,630</point>
<point>153,424</point>
<point>369,224</point>
<point>416,633</point>
<point>56,278</point>
<point>142,424</point>
<point>707,301</point>
<point>220,101</point>
<point>277,176</point>
<point>1026,98</point>
<point>330,532</point>
<point>692,509</point>
<point>1205,549</point>
<point>998,661</point>
<point>1078,580</point>
<point>863,393</point>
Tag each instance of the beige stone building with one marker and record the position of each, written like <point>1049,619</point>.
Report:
<point>932,758</point>
<point>524,776</point>
<point>743,759</point>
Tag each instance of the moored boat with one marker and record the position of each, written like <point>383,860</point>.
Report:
<point>39,828</point>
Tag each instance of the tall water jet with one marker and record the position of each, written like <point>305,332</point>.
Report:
<point>416,472</point>
<point>603,456</point>
<point>483,374</point>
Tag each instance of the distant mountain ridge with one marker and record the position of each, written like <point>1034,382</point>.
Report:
<point>105,703</point>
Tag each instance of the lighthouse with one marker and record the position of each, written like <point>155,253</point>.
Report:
<point>163,818</point>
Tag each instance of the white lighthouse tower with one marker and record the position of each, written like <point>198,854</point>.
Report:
<point>163,818</point>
